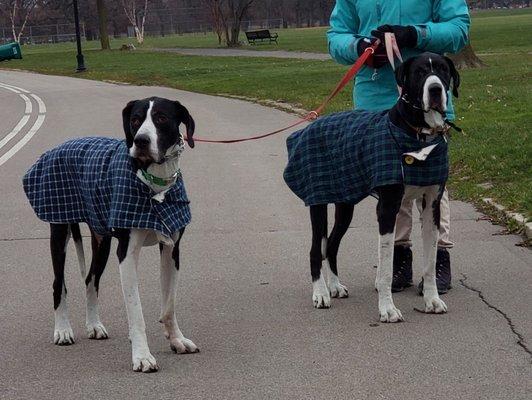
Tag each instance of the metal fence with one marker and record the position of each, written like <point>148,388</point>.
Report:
<point>43,34</point>
<point>175,25</point>
<point>162,26</point>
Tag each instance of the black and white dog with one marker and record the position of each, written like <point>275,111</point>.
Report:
<point>89,180</point>
<point>314,172</point>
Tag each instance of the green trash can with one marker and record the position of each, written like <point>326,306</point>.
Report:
<point>10,51</point>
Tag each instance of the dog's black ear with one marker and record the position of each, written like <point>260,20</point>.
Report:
<point>126,121</point>
<point>184,116</point>
<point>455,76</point>
<point>401,72</point>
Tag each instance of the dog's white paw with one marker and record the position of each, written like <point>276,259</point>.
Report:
<point>338,290</point>
<point>320,294</point>
<point>183,346</point>
<point>321,300</point>
<point>96,331</point>
<point>144,362</point>
<point>390,313</point>
<point>435,305</point>
<point>64,336</point>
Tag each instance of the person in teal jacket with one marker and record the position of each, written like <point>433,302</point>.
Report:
<point>439,26</point>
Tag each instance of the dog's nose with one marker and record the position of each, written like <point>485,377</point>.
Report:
<point>435,90</point>
<point>141,141</point>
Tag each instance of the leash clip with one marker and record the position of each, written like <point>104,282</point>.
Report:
<point>312,115</point>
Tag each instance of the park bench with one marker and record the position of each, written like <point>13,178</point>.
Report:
<point>253,36</point>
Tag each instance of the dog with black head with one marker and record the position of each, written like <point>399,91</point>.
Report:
<point>395,155</point>
<point>132,190</point>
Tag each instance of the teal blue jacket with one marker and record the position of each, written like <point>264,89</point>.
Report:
<point>442,27</point>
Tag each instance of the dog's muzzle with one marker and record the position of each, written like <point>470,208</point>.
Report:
<point>434,94</point>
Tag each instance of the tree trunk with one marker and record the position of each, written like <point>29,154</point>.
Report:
<point>466,58</point>
<point>235,32</point>
<point>102,24</point>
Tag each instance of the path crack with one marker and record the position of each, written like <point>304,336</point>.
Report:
<point>520,339</point>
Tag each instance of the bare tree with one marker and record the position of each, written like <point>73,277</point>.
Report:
<point>217,17</point>
<point>226,16</point>
<point>132,14</point>
<point>234,12</point>
<point>102,24</point>
<point>18,12</point>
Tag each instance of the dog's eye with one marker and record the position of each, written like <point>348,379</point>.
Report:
<point>135,121</point>
<point>161,119</point>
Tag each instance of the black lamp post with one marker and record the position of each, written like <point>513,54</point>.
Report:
<point>81,64</point>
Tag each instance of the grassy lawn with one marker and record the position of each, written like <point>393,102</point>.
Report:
<point>493,108</point>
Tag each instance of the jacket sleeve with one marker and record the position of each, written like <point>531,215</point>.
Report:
<point>449,31</point>
<point>343,34</point>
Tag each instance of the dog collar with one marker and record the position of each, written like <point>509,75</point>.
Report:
<point>160,181</point>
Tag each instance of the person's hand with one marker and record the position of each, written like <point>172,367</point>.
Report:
<point>406,36</point>
<point>379,58</point>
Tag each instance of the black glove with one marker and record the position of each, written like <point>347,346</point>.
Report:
<point>379,58</point>
<point>406,36</point>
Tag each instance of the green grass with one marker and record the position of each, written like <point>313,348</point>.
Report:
<point>494,103</point>
<point>494,111</point>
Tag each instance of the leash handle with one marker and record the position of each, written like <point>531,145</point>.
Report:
<point>392,50</point>
<point>314,114</point>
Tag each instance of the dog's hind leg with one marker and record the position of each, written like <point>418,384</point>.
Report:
<point>59,236</point>
<point>78,242</point>
<point>342,218</point>
<point>101,246</point>
<point>390,197</point>
<point>320,292</point>
<point>169,270</point>
<point>430,224</point>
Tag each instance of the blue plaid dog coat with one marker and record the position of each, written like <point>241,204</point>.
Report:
<point>92,180</point>
<point>343,157</point>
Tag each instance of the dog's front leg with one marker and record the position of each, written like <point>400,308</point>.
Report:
<point>390,198</point>
<point>169,268</point>
<point>430,221</point>
<point>129,245</point>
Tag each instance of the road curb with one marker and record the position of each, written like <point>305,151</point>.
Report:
<point>516,217</point>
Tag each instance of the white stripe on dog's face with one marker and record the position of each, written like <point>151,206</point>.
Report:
<point>431,82</point>
<point>149,130</point>
<point>432,117</point>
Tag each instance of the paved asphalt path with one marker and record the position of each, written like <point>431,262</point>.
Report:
<point>244,292</point>
<point>247,53</point>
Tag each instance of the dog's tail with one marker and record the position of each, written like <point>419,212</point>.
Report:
<point>78,242</point>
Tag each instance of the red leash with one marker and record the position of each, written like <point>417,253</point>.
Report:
<point>315,113</point>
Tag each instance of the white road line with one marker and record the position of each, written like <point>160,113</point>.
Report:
<point>15,130</point>
<point>9,88</point>
<point>14,87</point>
<point>29,107</point>
<point>25,139</point>
<point>42,107</point>
<point>24,120</point>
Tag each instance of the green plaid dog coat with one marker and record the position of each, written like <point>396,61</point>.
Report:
<point>343,157</point>
<point>92,180</point>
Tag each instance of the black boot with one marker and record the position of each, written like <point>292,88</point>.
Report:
<point>443,273</point>
<point>402,268</point>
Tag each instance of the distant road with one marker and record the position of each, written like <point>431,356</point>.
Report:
<point>245,53</point>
